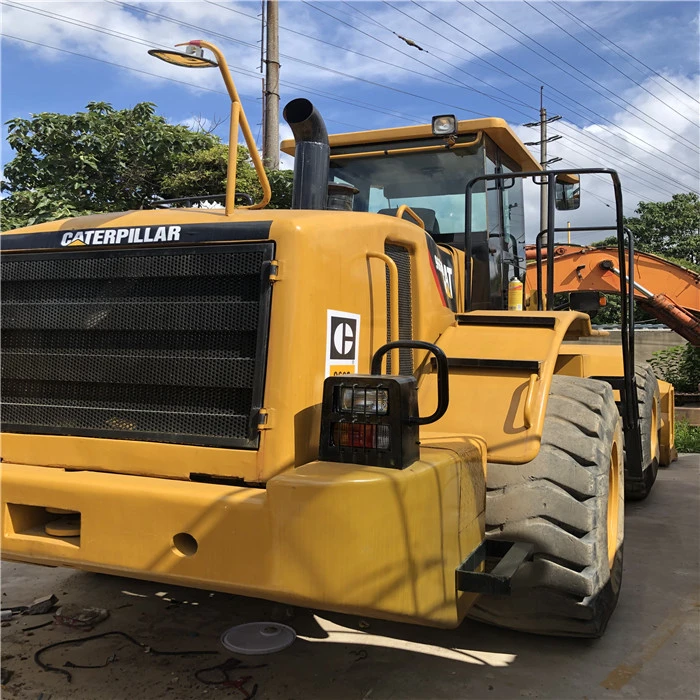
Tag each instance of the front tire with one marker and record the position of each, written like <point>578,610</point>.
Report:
<point>569,503</point>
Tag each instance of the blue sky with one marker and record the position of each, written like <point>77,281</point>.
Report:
<point>631,104</point>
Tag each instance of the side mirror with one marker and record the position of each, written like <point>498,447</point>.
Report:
<point>568,195</point>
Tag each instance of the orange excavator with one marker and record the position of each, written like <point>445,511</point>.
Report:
<point>667,291</point>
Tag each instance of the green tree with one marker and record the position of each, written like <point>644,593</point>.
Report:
<point>204,172</point>
<point>104,159</point>
<point>669,229</point>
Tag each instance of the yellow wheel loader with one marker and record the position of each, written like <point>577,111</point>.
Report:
<point>331,406</point>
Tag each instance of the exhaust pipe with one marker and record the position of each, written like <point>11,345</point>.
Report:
<point>311,155</point>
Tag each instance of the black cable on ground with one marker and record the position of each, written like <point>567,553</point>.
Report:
<point>147,649</point>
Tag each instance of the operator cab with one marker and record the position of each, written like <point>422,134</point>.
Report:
<point>429,172</point>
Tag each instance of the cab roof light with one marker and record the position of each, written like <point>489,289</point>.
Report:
<point>445,125</point>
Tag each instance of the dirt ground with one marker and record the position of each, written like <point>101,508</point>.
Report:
<point>651,648</point>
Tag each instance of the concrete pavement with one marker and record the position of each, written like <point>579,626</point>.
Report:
<point>651,648</point>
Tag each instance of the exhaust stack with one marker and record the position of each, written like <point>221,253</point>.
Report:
<point>311,155</point>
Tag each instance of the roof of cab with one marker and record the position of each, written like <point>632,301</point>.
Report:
<point>496,128</point>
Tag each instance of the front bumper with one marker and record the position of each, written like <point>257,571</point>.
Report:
<point>364,540</point>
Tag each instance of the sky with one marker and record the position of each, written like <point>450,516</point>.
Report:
<point>623,76</point>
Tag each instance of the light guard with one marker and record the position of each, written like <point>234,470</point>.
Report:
<point>370,420</point>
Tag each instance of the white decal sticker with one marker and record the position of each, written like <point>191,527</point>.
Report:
<point>342,343</point>
<point>117,236</point>
<point>445,271</point>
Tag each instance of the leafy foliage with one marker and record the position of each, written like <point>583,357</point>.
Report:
<point>687,437</point>
<point>98,160</point>
<point>105,160</point>
<point>669,229</point>
<point>205,173</point>
<point>678,365</point>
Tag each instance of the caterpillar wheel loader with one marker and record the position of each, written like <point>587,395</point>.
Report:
<point>338,406</point>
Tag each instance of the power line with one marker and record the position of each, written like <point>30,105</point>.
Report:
<point>451,80</point>
<point>547,57</point>
<point>149,44</point>
<point>617,46</point>
<point>193,85</point>
<point>581,135</point>
<point>632,172</point>
<point>93,27</point>
<point>598,115</point>
<point>452,65</point>
<point>576,39</point>
<point>587,136</point>
<point>295,59</point>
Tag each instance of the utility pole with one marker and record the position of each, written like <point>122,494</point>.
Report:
<point>542,143</point>
<point>271,97</point>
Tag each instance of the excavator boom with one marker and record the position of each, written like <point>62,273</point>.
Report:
<point>669,292</point>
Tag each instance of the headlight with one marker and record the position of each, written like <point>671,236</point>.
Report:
<point>363,400</point>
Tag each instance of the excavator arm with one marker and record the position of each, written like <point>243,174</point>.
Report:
<point>667,291</point>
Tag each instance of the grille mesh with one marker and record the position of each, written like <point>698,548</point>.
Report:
<point>402,258</point>
<point>161,345</point>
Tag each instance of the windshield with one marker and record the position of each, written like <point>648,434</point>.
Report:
<point>432,180</point>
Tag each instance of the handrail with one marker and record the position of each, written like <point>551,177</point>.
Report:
<point>393,305</point>
<point>410,149</point>
<point>529,398</point>
<point>405,209</point>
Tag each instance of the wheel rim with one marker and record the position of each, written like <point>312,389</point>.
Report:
<point>613,504</point>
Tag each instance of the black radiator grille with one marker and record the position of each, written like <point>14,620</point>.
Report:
<point>402,258</point>
<point>159,345</point>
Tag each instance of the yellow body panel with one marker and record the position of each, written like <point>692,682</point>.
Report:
<point>312,279</point>
<point>365,540</point>
<point>492,402</point>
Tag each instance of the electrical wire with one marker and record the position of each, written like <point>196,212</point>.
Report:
<point>621,51</point>
<point>576,102</point>
<point>201,87</point>
<point>576,39</point>
<point>548,58</point>
<point>136,40</point>
<point>311,64</point>
<point>224,36</point>
<point>450,79</point>
<point>683,185</point>
<point>452,65</point>
<point>589,136</point>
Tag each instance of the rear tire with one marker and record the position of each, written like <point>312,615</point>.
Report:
<point>569,503</point>
<point>649,402</point>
